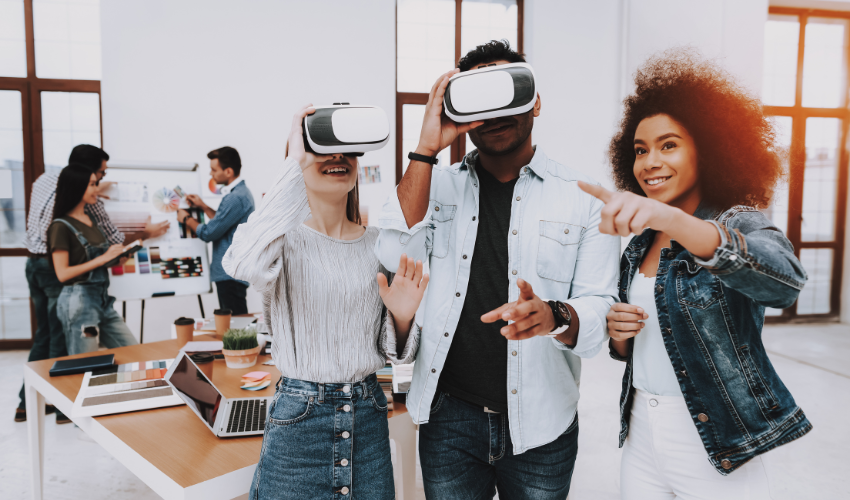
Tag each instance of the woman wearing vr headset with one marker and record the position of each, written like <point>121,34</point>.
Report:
<point>304,248</point>
<point>695,159</point>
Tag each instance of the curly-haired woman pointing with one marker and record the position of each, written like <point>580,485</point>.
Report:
<point>695,159</point>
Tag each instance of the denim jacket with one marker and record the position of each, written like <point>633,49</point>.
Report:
<point>554,244</point>
<point>711,315</point>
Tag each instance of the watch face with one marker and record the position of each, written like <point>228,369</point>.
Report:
<point>565,313</point>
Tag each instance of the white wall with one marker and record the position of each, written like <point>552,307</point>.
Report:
<point>586,53</point>
<point>183,78</point>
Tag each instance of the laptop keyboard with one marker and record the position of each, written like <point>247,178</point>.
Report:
<point>247,415</point>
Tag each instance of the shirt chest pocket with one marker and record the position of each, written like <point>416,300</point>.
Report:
<point>557,249</point>
<point>442,219</point>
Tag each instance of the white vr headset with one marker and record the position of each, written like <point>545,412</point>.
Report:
<point>490,92</point>
<point>345,128</point>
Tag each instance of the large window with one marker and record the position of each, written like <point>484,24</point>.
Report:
<point>431,36</point>
<point>50,67</point>
<point>805,89</point>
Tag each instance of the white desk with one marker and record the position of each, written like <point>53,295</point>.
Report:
<point>169,448</point>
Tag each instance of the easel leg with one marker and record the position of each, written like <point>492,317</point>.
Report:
<point>201,305</point>
<point>142,326</point>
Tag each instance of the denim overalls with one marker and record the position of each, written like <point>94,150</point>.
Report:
<point>85,308</point>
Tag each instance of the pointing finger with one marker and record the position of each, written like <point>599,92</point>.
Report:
<point>597,191</point>
<point>496,314</point>
<point>525,290</point>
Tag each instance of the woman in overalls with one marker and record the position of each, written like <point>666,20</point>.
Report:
<point>80,253</point>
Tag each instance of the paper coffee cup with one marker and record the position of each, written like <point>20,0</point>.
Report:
<point>204,360</point>
<point>222,321</point>
<point>185,328</point>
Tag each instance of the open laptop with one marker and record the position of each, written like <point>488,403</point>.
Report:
<point>224,417</point>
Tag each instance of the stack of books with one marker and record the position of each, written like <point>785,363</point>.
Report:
<point>385,378</point>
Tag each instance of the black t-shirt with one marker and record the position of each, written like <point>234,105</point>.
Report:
<point>476,368</point>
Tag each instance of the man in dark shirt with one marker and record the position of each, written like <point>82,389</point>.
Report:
<point>475,370</point>
<point>495,386</point>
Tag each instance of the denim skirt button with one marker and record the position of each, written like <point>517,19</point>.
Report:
<point>346,389</point>
<point>346,408</point>
<point>344,490</point>
<point>343,462</point>
<point>345,434</point>
<point>702,417</point>
<point>726,464</point>
<point>653,403</point>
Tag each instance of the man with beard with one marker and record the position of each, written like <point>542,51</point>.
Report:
<point>515,256</point>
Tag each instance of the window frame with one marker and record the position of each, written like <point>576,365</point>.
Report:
<point>797,166</point>
<point>458,147</point>
<point>31,88</point>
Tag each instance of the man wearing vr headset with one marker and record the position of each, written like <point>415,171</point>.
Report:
<point>515,256</point>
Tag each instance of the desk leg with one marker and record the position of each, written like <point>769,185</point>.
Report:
<point>403,432</point>
<point>35,431</point>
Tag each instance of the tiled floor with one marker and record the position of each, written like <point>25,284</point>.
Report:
<point>811,359</point>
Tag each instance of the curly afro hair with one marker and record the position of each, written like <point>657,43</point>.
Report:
<point>737,158</point>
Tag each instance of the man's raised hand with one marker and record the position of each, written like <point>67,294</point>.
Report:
<point>438,131</point>
<point>531,316</point>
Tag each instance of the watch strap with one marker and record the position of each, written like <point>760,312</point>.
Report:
<point>425,159</point>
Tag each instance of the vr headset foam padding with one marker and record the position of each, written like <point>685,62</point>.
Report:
<point>343,128</point>
<point>490,92</point>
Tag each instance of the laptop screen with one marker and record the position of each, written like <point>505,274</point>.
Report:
<point>193,387</point>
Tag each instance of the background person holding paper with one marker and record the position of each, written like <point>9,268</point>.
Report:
<point>80,252</point>
<point>234,209</point>
<point>44,287</point>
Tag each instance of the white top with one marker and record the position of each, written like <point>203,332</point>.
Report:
<point>651,365</point>
<point>320,294</point>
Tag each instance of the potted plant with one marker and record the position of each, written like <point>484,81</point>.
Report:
<point>240,348</point>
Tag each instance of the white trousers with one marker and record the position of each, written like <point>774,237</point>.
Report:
<point>664,458</point>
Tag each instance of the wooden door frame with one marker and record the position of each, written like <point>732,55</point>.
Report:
<point>458,147</point>
<point>797,166</point>
<point>31,88</point>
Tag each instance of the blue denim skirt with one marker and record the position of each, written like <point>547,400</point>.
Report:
<point>326,441</point>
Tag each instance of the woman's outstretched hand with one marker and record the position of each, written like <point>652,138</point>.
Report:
<point>628,213</point>
<point>405,294</point>
<point>297,151</point>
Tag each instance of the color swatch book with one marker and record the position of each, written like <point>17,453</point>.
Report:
<point>123,388</point>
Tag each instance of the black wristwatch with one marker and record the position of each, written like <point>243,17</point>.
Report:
<point>424,159</point>
<point>562,316</point>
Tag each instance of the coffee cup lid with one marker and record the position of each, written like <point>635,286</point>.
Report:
<point>184,321</point>
<point>222,312</point>
<point>202,357</point>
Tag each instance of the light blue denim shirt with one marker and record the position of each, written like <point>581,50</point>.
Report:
<point>554,244</point>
